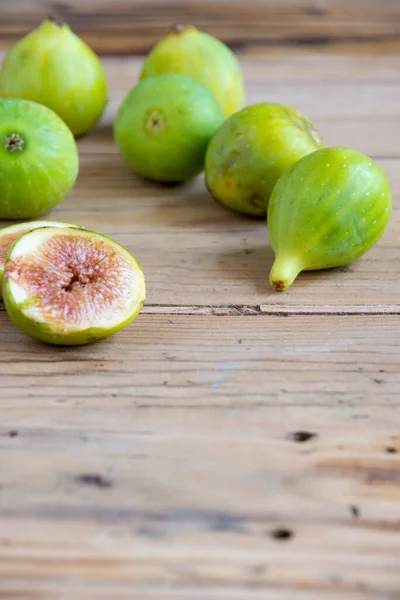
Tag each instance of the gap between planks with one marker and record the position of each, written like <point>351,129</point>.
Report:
<point>274,309</point>
<point>268,309</point>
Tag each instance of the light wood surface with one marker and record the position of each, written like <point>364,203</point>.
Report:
<point>126,26</point>
<point>232,443</point>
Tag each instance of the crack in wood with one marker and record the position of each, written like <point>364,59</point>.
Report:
<point>268,310</point>
<point>273,310</point>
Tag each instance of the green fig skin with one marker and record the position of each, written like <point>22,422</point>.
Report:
<point>187,51</point>
<point>326,211</point>
<point>38,159</point>
<point>63,334</point>
<point>8,235</point>
<point>43,333</point>
<point>54,67</point>
<point>251,150</point>
<point>164,125</point>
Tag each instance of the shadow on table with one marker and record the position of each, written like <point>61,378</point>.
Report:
<point>249,265</point>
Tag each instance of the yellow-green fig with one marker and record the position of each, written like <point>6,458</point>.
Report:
<point>54,67</point>
<point>187,51</point>
<point>252,149</point>
<point>39,159</point>
<point>164,125</point>
<point>327,210</point>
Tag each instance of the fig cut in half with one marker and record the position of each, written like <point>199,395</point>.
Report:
<point>71,286</point>
<point>8,235</point>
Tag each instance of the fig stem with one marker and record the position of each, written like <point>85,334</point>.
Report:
<point>14,143</point>
<point>178,28</point>
<point>56,20</point>
<point>284,271</point>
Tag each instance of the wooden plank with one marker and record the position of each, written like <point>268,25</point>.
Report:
<point>195,252</point>
<point>215,449</point>
<point>175,456</point>
<point>133,27</point>
<point>352,98</point>
<point>275,309</point>
<point>148,362</point>
<point>183,593</point>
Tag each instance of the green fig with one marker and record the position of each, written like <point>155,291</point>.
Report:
<point>250,152</point>
<point>326,211</point>
<point>8,235</point>
<point>54,67</point>
<point>38,159</point>
<point>187,51</point>
<point>164,125</point>
<point>71,286</point>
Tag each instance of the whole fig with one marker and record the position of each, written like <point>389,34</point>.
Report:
<point>54,67</point>
<point>39,159</point>
<point>187,51</point>
<point>164,125</point>
<point>327,210</point>
<point>250,152</point>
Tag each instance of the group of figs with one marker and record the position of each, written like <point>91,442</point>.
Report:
<point>62,284</point>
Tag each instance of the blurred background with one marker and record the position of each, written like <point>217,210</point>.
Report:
<point>132,27</point>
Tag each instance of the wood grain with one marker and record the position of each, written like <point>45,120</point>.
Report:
<point>167,460</point>
<point>150,363</point>
<point>351,98</point>
<point>126,27</point>
<point>194,252</point>
<point>233,443</point>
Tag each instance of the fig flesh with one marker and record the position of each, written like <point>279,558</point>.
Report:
<point>164,125</point>
<point>326,211</point>
<point>187,51</point>
<point>8,235</point>
<point>250,152</point>
<point>38,159</point>
<point>71,286</point>
<point>54,67</point>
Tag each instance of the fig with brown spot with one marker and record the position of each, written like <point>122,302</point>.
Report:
<point>252,149</point>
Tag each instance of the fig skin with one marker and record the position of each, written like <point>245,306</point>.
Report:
<point>187,51</point>
<point>251,150</point>
<point>57,335</point>
<point>42,333</point>
<point>13,232</point>
<point>38,159</point>
<point>326,211</point>
<point>164,125</point>
<point>54,67</point>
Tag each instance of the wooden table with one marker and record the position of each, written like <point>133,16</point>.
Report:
<point>233,443</point>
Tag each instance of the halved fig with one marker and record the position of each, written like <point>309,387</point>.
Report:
<point>71,286</point>
<point>8,235</point>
